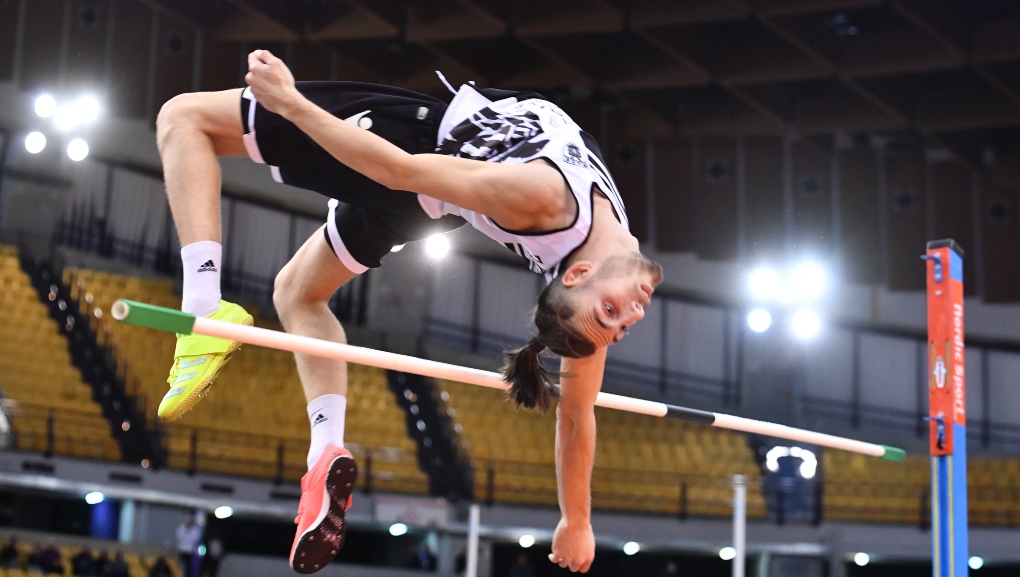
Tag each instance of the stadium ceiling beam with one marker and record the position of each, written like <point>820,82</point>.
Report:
<point>196,14</point>
<point>653,13</point>
<point>778,8</point>
<point>359,23</point>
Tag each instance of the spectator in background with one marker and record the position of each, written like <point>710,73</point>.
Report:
<point>46,559</point>
<point>9,554</point>
<point>161,569</point>
<point>189,535</point>
<point>101,560</point>
<point>211,562</point>
<point>670,570</point>
<point>422,559</point>
<point>116,567</point>
<point>522,568</point>
<point>83,564</point>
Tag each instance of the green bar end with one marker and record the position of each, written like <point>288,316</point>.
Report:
<point>153,317</point>
<point>894,454</point>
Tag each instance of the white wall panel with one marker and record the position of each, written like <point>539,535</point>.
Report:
<point>889,372</point>
<point>642,345</point>
<point>507,297</point>
<point>453,290</point>
<point>828,367</point>
<point>259,242</point>
<point>695,339</point>
<point>1004,368</point>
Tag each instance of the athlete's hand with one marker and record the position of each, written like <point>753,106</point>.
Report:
<point>271,82</point>
<point>573,546</point>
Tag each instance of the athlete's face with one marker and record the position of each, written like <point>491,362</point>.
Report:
<point>611,296</point>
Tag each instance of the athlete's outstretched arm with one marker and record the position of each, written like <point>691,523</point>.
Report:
<point>524,196</point>
<point>573,542</point>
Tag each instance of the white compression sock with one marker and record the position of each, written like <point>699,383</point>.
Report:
<point>202,262</point>
<point>326,415</point>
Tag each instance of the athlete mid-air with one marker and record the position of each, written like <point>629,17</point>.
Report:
<point>400,166</point>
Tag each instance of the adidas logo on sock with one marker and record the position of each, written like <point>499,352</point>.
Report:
<point>320,418</point>
<point>207,266</point>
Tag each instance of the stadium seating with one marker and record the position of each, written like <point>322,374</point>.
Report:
<point>641,464</point>
<point>138,564</point>
<point>859,488</point>
<point>38,377</point>
<point>254,419</point>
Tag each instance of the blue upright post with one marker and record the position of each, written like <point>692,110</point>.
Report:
<point>947,409</point>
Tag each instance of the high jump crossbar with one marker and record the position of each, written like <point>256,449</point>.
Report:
<point>164,319</point>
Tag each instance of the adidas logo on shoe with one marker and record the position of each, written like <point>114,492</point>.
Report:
<point>320,418</point>
<point>207,266</point>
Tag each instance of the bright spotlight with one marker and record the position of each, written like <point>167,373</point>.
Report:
<point>77,149</point>
<point>630,547</point>
<point>810,279</point>
<point>976,563</point>
<point>397,248</point>
<point>223,512</point>
<point>526,541</point>
<point>45,106</point>
<point>805,324</point>
<point>437,246</point>
<point>87,109</point>
<point>759,320</point>
<point>727,553</point>
<point>66,118</point>
<point>94,498</point>
<point>35,142</point>
<point>398,529</point>
<point>862,559</point>
<point>201,550</point>
<point>762,283</point>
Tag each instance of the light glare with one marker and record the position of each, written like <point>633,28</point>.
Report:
<point>223,512</point>
<point>976,563</point>
<point>810,279</point>
<point>66,118</point>
<point>631,548</point>
<point>45,106</point>
<point>397,248</point>
<point>805,324</point>
<point>77,149</point>
<point>87,109</point>
<point>762,283</point>
<point>35,142</point>
<point>862,559</point>
<point>437,246</point>
<point>759,320</point>
<point>94,498</point>
<point>398,529</point>
<point>526,541</point>
<point>727,553</point>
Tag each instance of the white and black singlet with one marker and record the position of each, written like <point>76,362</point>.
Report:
<point>366,219</point>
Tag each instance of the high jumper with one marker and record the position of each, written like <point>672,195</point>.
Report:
<point>398,167</point>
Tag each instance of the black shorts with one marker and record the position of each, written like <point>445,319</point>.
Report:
<point>369,219</point>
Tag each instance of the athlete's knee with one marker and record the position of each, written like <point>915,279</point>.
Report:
<point>290,293</point>
<point>178,113</point>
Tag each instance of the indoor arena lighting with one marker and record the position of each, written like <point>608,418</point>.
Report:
<point>810,279</point>
<point>808,462</point>
<point>526,541</point>
<point>222,512</point>
<point>77,149</point>
<point>762,282</point>
<point>94,498</point>
<point>397,248</point>
<point>45,106</point>
<point>66,118</point>
<point>805,324</point>
<point>862,559</point>
<point>759,320</point>
<point>437,246</point>
<point>398,529</point>
<point>976,563</point>
<point>631,548</point>
<point>727,553</point>
<point>35,142</point>
<point>87,109</point>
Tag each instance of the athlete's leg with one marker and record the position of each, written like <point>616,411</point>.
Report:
<point>301,295</point>
<point>192,130</point>
<point>303,289</point>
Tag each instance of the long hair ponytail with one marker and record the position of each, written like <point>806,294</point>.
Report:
<point>523,370</point>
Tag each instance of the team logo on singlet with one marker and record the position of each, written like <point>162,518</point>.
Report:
<point>488,135</point>
<point>572,155</point>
